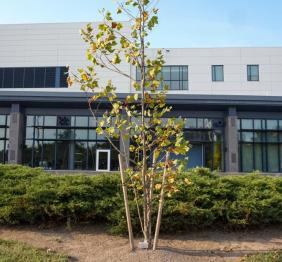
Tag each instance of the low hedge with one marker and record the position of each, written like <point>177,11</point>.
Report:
<point>31,196</point>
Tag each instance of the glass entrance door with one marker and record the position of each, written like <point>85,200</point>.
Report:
<point>103,160</point>
<point>195,156</point>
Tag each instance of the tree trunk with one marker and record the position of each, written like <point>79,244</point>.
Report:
<point>124,188</point>
<point>150,202</point>
<point>161,204</point>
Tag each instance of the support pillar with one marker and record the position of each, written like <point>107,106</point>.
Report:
<point>16,132</point>
<point>231,141</point>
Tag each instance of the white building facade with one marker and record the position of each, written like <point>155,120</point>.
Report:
<point>231,99</point>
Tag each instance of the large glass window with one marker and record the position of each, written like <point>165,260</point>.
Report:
<point>4,137</point>
<point>64,142</point>
<point>33,77</point>
<point>206,138</point>
<point>260,145</point>
<point>253,72</point>
<point>217,73</point>
<point>174,77</point>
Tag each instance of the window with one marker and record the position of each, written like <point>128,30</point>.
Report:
<point>4,138</point>
<point>253,72</point>
<point>63,142</point>
<point>206,138</point>
<point>31,77</point>
<point>174,77</point>
<point>260,144</point>
<point>217,73</point>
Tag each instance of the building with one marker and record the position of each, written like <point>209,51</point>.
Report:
<point>231,98</point>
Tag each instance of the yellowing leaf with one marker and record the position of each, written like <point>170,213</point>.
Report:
<point>136,97</point>
<point>188,182</point>
<point>158,186</point>
<point>84,76</point>
<point>170,180</point>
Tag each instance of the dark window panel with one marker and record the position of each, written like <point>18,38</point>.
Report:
<point>185,73</point>
<point>63,77</point>
<point>217,73</point>
<point>1,77</point>
<point>29,77</point>
<point>166,73</point>
<point>175,73</point>
<point>18,77</point>
<point>253,72</point>
<point>8,77</point>
<point>39,80</point>
<point>50,77</point>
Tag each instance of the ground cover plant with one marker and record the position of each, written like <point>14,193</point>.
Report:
<point>274,256</point>
<point>203,200</point>
<point>11,251</point>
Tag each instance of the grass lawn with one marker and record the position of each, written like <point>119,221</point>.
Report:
<point>11,251</point>
<point>265,257</point>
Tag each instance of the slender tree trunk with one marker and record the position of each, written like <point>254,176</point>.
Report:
<point>161,204</point>
<point>124,188</point>
<point>144,151</point>
<point>150,201</point>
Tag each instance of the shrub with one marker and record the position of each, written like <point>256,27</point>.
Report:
<point>32,196</point>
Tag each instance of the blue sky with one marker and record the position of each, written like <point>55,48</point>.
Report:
<point>183,23</point>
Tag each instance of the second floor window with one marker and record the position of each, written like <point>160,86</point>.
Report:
<point>175,77</point>
<point>253,72</point>
<point>217,73</point>
<point>33,77</point>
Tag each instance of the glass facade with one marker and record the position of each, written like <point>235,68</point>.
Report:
<point>64,142</point>
<point>206,138</point>
<point>33,77</point>
<point>174,77</point>
<point>4,138</point>
<point>253,72</point>
<point>260,145</point>
<point>217,73</point>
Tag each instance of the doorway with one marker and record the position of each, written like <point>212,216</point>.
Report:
<point>103,160</point>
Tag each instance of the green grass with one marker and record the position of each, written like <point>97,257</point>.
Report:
<point>275,256</point>
<point>11,251</point>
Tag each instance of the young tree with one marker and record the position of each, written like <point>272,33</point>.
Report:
<point>151,166</point>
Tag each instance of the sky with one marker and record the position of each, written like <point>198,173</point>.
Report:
<point>182,23</point>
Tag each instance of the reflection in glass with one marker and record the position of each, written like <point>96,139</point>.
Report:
<point>247,157</point>
<point>49,133</point>
<point>2,120</point>
<point>81,121</point>
<point>37,152</point>
<point>191,123</point>
<point>27,152</point>
<point>272,137</point>
<point>272,158</point>
<point>272,124</point>
<point>2,133</point>
<point>48,159</point>
<point>30,121</point>
<point>257,124</point>
<point>246,124</point>
<point>2,151</point>
<point>62,155</point>
<point>247,136</point>
<point>80,155</point>
<point>50,121</point>
<point>81,134</point>
<point>258,156</point>
<point>92,155</point>
<point>65,134</point>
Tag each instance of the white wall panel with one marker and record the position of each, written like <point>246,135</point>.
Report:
<point>60,44</point>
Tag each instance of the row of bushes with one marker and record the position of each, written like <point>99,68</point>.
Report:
<point>35,197</point>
